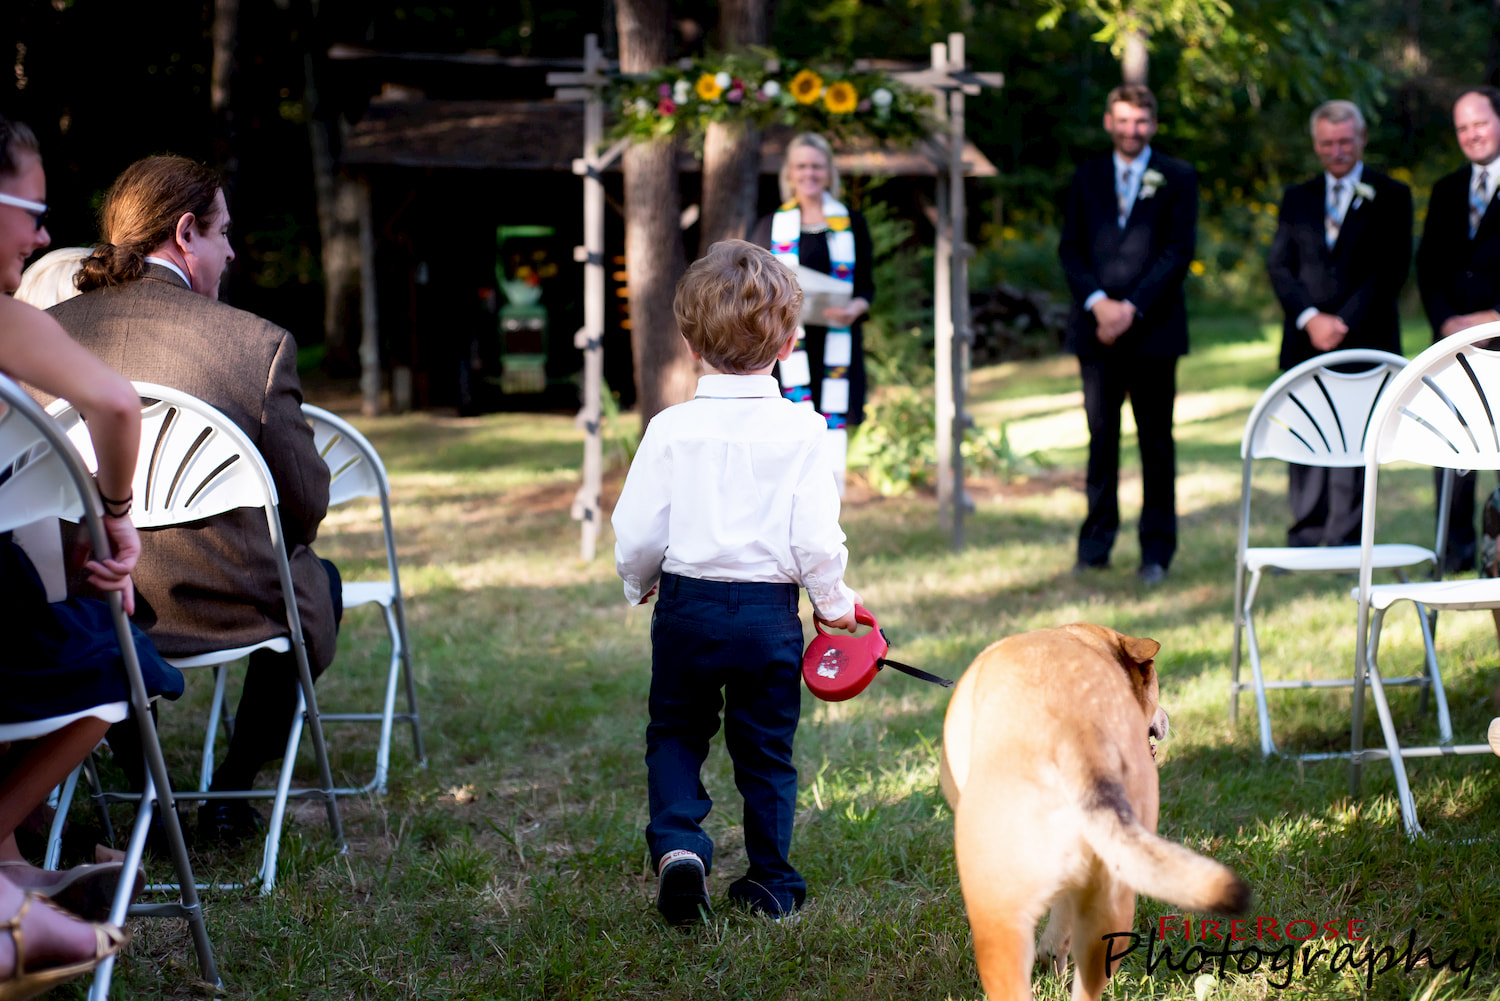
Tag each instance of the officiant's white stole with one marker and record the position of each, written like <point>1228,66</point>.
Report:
<point>838,347</point>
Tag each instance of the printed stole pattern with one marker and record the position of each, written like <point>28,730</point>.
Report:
<point>838,347</point>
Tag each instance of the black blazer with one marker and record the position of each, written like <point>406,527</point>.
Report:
<point>1145,262</point>
<point>1457,275</point>
<point>1358,279</point>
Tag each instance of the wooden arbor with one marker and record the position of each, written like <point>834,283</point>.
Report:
<point>951,81</point>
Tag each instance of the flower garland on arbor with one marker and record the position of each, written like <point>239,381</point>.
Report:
<point>682,100</point>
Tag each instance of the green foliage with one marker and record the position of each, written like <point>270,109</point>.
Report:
<point>896,445</point>
<point>760,90</point>
<point>898,333</point>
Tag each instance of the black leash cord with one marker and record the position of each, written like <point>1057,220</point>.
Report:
<point>917,673</point>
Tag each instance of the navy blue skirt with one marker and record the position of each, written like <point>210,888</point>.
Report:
<point>62,657</point>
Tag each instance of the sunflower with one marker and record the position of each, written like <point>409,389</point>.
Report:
<point>708,88</point>
<point>806,87</point>
<point>841,98</point>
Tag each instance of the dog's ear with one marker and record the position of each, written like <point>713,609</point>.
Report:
<point>1139,651</point>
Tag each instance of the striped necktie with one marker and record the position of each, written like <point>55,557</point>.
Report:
<point>1122,197</point>
<point>1331,218</point>
<point>1479,200</point>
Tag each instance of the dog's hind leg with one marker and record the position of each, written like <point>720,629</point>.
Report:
<point>1111,909</point>
<point>1058,935</point>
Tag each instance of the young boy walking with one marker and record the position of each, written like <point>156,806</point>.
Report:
<point>728,509</point>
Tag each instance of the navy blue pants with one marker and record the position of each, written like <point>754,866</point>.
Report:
<point>736,648</point>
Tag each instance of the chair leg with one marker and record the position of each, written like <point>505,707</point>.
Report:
<point>215,715</point>
<point>309,712</point>
<point>1393,746</point>
<point>1252,642</point>
<point>278,808</point>
<point>1357,710</point>
<point>1434,677</point>
<point>388,711</point>
<point>411,685</point>
<point>59,819</point>
<point>1234,650</point>
<point>96,790</point>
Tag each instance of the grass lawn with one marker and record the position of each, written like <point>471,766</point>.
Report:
<point>514,866</point>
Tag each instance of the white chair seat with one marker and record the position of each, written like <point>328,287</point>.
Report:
<point>1335,558</point>
<point>110,712</point>
<point>380,592</point>
<point>276,644</point>
<point>1444,595</point>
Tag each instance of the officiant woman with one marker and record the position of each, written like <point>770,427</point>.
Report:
<point>815,229</point>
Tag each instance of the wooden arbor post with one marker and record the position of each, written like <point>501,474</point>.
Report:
<point>588,87</point>
<point>950,80</point>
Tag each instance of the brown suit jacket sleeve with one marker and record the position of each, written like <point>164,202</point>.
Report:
<point>286,443</point>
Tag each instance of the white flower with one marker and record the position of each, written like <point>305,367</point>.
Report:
<point>681,91</point>
<point>643,107</point>
<point>723,80</point>
<point>1363,190</point>
<point>881,98</point>
<point>770,88</point>
<point>1150,181</point>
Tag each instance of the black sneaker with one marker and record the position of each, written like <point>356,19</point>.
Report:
<point>682,887</point>
<point>229,822</point>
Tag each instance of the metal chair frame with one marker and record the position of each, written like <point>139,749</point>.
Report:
<point>1315,416</point>
<point>48,478</point>
<point>196,463</point>
<point>1439,411</point>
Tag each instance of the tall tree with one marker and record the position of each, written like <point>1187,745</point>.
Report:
<point>654,259</point>
<point>731,150</point>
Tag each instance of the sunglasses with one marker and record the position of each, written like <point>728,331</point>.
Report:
<point>38,210</point>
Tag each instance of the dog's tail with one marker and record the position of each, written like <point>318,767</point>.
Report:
<point>1153,865</point>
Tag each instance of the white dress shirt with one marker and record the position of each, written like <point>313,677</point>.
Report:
<point>1346,198</point>
<point>734,485</point>
<point>1131,171</point>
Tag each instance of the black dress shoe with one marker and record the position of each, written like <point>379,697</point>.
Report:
<point>1151,574</point>
<point>230,822</point>
<point>1083,567</point>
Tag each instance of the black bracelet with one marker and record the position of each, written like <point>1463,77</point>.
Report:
<point>128,498</point>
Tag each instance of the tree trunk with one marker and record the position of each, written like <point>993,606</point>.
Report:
<point>226,29</point>
<point>731,152</point>
<point>664,371</point>
<point>1134,61</point>
<point>338,227</point>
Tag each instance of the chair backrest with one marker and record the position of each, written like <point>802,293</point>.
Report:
<point>354,467</point>
<point>194,463</point>
<point>41,475</point>
<point>1316,416</point>
<point>1443,409</point>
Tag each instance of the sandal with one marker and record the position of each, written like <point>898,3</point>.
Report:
<point>20,985</point>
<point>87,891</point>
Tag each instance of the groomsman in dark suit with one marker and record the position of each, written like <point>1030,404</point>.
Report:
<point>1340,256</point>
<point>1129,231</point>
<point>1458,264</point>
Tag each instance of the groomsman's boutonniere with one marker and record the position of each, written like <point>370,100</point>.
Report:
<point>1363,193</point>
<point>1150,181</point>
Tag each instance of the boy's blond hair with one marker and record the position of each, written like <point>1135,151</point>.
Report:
<point>737,305</point>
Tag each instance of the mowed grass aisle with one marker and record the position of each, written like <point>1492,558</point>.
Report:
<point>514,866</point>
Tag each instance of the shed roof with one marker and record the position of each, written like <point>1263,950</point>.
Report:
<point>548,135</point>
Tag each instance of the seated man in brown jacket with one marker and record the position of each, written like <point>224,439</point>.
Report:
<point>150,311</point>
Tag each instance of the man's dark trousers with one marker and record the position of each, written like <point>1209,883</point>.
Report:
<point>735,647</point>
<point>1150,381</point>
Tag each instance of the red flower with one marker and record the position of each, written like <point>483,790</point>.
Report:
<point>666,107</point>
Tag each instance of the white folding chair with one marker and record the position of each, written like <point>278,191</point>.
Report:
<point>196,463</point>
<point>42,476</point>
<point>1315,416</point>
<point>1441,411</point>
<point>355,471</point>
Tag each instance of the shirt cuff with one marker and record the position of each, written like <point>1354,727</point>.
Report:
<point>1088,303</point>
<point>1306,315</point>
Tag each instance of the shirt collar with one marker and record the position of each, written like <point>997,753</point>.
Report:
<point>163,262</point>
<point>1351,179</point>
<point>1137,167</point>
<point>719,386</point>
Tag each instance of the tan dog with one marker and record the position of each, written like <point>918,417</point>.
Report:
<point>1048,767</point>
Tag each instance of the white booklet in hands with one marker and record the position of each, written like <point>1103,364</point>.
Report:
<point>820,292</point>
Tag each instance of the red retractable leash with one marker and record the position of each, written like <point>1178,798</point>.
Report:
<point>838,667</point>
